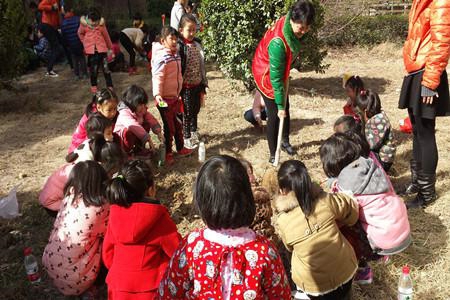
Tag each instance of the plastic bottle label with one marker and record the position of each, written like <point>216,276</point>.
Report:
<point>404,295</point>
<point>33,273</point>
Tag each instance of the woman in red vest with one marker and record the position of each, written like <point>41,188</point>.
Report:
<point>425,90</point>
<point>271,66</point>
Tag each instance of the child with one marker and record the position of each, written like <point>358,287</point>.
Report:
<point>54,44</point>
<point>307,218</point>
<point>383,217</point>
<point>132,39</point>
<point>138,22</point>
<point>194,78</point>
<point>109,155</point>
<point>167,83</point>
<point>116,59</point>
<point>69,32</point>
<point>72,256</point>
<point>378,129</point>
<point>228,259</point>
<point>257,113</point>
<point>42,48</point>
<point>353,86</point>
<point>95,38</point>
<point>104,102</point>
<point>141,237</point>
<point>135,121</point>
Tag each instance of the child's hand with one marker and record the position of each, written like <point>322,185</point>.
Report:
<point>202,99</point>
<point>160,101</point>
<point>161,137</point>
<point>149,145</point>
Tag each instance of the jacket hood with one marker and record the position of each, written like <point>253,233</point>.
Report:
<point>84,22</point>
<point>159,49</point>
<point>363,177</point>
<point>122,106</point>
<point>132,225</point>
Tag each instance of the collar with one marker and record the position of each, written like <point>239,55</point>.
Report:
<point>186,41</point>
<point>230,237</point>
<point>291,39</point>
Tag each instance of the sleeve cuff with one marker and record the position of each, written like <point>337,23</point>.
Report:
<point>426,92</point>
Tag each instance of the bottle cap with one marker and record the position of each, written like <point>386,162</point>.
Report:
<point>27,251</point>
<point>405,270</point>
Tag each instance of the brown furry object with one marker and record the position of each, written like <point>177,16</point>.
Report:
<point>262,222</point>
<point>270,181</point>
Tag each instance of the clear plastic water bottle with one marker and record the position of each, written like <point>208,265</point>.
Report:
<point>162,155</point>
<point>31,266</point>
<point>405,286</point>
<point>201,152</point>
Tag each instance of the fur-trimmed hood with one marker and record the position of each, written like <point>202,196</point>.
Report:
<point>288,202</point>
<point>85,22</point>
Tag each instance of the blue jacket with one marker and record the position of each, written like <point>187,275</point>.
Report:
<point>42,49</point>
<point>69,32</point>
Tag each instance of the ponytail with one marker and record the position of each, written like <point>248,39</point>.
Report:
<point>369,102</point>
<point>95,145</point>
<point>117,191</point>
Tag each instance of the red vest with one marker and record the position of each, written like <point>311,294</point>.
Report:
<point>260,63</point>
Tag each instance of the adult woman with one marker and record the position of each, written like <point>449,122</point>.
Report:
<point>425,91</point>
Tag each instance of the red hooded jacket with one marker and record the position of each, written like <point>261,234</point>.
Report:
<point>50,15</point>
<point>138,245</point>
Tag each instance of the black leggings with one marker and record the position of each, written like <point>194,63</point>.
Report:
<point>273,122</point>
<point>191,105</point>
<point>98,61</point>
<point>343,292</point>
<point>424,142</point>
<point>129,46</point>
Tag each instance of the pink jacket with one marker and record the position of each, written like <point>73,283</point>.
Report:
<point>382,212</point>
<point>72,256</point>
<point>94,38</point>
<point>133,122</point>
<point>80,134</point>
<point>167,77</point>
<point>53,191</point>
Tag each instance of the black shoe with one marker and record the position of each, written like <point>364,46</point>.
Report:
<point>286,147</point>
<point>272,159</point>
<point>416,203</point>
<point>413,187</point>
<point>427,191</point>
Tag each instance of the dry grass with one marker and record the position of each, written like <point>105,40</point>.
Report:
<point>35,144</point>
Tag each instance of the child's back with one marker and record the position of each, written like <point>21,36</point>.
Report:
<point>69,32</point>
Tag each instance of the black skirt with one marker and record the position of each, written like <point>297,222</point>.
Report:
<point>411,98</point>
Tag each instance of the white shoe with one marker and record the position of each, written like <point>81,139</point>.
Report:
<point>299,295</point>
<point>51,74</point>
<point>188,144</point>
<point>195,139</point>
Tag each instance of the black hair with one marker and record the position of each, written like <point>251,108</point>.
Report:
<point>133,96</point>
<point>303,12</point>
<point>144,28</point>
<point>96,124</point>
<point>187,18</point>
<point>137,16</point>
<point>338,151</point>
<point>87,180</point>
<point>293,177</point>
<point>355,83</point>
<point>223,194</point>
<point>133,181</point>
<point>361,141</point>
<point>247,165</point>
<point>348,123</point>
<point>369,102</point>
<point>112,157</point>
<point>115,36</point>
<point>95,144</point>
<point>68,5</point>
<point>99,98</point>
<point>167,31</point>
<point>94,14</point>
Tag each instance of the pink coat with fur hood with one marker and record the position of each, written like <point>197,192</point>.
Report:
<point>94,38</point>
<point>167,77</point>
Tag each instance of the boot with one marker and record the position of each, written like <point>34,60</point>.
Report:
<point>413,187</point>
<point>287,147</point>
<point>427,192</point>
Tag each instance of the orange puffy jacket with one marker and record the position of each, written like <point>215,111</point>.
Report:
<point>428,42</point>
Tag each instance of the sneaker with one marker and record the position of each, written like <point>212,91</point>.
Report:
<point>188,144</point>
<point>299,295</point>
<point>271,159</point>
<point>364,276</point>
<point>51,74</point>
<point>195,139</point>
<point>185,152</point>
<point>93,89</point>
<point>169,159</point>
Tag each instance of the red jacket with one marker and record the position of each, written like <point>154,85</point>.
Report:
<point>50,16</point>
<point>138,245</point>
<point>428,42</point>
<point>94,38</point>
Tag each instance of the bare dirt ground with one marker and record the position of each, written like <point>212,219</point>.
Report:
<point>34,137</point>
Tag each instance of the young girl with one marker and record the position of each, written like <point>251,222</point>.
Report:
<point>167,83</point>
<point>104,102</point>
<point>109,155</point>
<point>132,40</point>
<point>307,218</point>
<point>97,44</point>
<point>226,260</point>
<point>72,256</point>
<point>352,85</point>
<point>383,217</point>
<point>378,129</point>
<point>141,236</point>
<point>194,78</point>
<point>135,121</point>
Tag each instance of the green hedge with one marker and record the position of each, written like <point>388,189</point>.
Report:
<point>366,30</point>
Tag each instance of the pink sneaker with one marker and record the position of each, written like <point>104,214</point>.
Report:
<point>185,152</point>
<point>364,276</point>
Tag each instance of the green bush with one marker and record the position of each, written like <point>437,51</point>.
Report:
<point>12,36</point>
<point>367,30</point>
<point>233,29</point>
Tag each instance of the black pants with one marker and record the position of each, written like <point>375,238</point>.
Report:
<point>342,293</point>
<point>191,105</point>
<point>97,61</point>
<point>129,46</point>
<point>424,142</point>
<point>79,65</point>
<point>118,63</point>
<point>249,117</point>
<point>273,122</point>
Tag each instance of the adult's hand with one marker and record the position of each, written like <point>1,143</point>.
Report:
<point>281,113</point>
<point>429,100</point>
